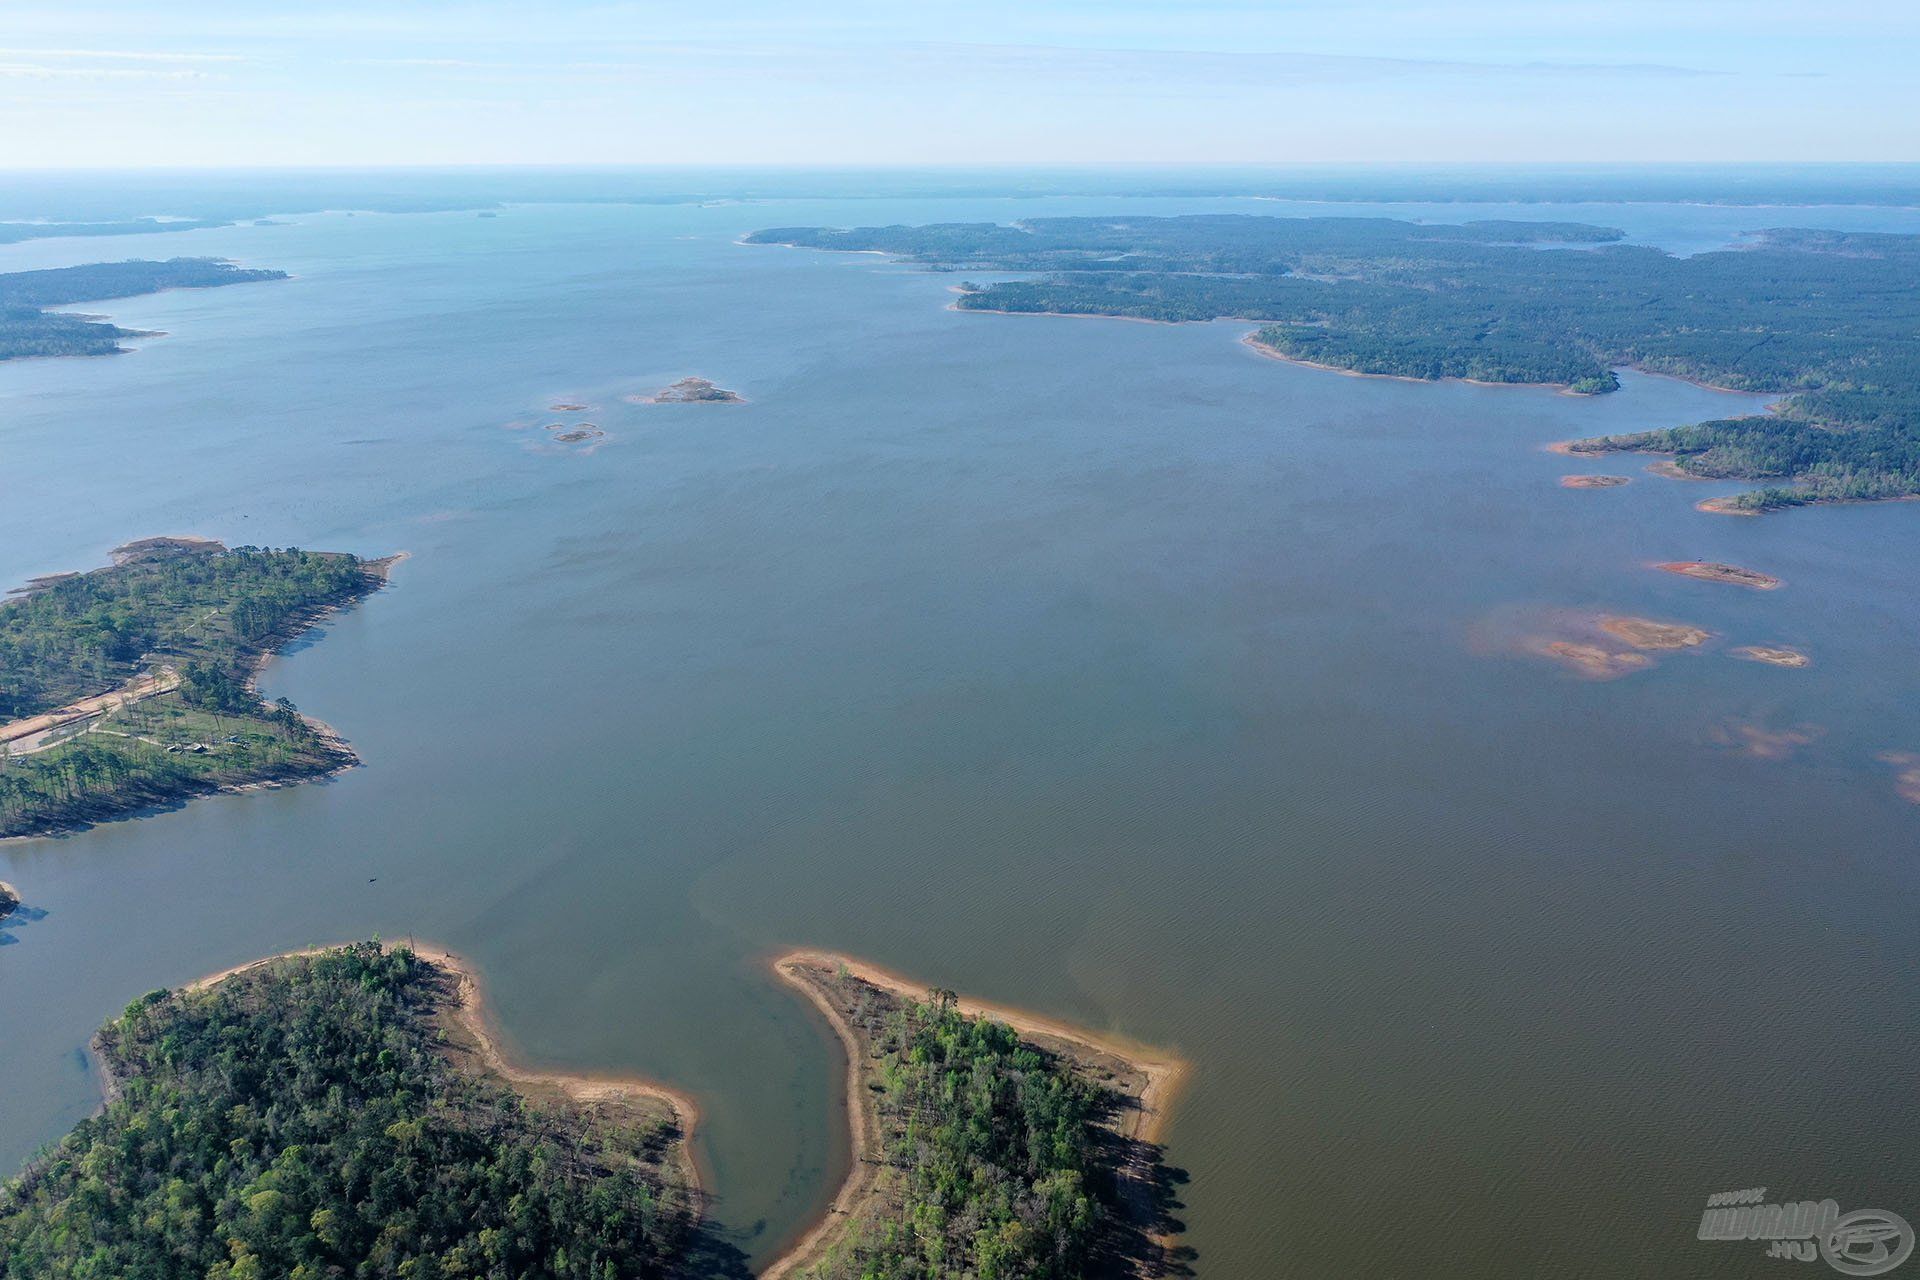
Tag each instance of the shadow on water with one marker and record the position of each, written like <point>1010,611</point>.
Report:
<point>1139,1233</point>
<point>712,1249</point>
<point>20,915</point>
<point>1136,1238</point>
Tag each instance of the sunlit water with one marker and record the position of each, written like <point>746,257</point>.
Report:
<point>1104,668</point>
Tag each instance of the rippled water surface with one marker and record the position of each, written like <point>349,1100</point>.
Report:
<point>1104,668</point>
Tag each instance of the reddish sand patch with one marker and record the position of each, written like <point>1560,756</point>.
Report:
<point>1906,778</point>
<point>1763,743</point>
<point>1645,633</point>
<point>1772,656</point>
<point>1724,507</point>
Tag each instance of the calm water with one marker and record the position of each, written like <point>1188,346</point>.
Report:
<point>1103,668</point>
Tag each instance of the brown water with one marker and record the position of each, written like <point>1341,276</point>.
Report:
<point>1107,669</point>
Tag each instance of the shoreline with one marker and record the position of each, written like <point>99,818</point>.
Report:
<point>1252,340</point>
<point>471,1010</point>
<point>1165,1074</point>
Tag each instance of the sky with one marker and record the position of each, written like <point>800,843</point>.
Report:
<point>222,83</point>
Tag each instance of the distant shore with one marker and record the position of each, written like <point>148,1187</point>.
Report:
<point>1273,353</point>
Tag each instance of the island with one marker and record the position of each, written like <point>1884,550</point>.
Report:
<point>1591,644</point>
<point>1645,633</point>
<point>1828,320</point>
<point>691,391</point>
<point>132,686</point>
<point>9,899</point>
<point>1772,655</point>
<point>1593,482</point>
<point>1001,1143</point>
<point>348,1112</point>
<point>1711,571</point>
<point>28,329</point>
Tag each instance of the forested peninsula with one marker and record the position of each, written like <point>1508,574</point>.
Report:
<point>345,1113</point>
<point>27,329</point>
<point>986,1142</point>
<point>1829,320</point>
<point>348,1111</point>
<point>132,686</point>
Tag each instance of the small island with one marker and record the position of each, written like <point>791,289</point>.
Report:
<point>945,1099</point>
<point>9,899</point>
<point>1711,571</point>
<point>132,686</point>
<point>691,391</point>
<point>28,329</point>
<point>1645,633</point>
<point>1772,655</point>
<point>1606,646</point>
<point>1593,482</point>
<point>348,1112</point>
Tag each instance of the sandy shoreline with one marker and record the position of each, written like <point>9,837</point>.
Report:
<point>1164,1075</point>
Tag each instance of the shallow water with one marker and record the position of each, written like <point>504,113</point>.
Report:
<point>1104,668</point>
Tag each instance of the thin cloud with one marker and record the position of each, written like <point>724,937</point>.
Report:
<point>33,71</point>
<point>123,55</point>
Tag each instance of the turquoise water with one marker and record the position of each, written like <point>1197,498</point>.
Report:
<point>1103,668</point>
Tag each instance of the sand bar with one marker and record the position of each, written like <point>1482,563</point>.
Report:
<point>1712,571</point>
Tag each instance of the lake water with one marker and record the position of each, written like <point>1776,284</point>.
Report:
<point>1103,668</point>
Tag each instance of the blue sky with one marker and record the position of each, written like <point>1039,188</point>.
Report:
<point>222,82</point>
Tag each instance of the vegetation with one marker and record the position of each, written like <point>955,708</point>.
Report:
<point>996,1159</point>
<point>1830,320</point>
<point>28,330</point>
<point>165,611</point>
<point>304,1121</point>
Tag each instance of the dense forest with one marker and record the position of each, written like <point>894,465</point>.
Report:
<point>303,1121</point>
<point>997,1162</point>
<point>28,330</point>
<point>1831,320</point>
<point>197,613</point>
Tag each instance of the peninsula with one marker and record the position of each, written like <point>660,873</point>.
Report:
<point>1829,320</point>
<point>351,1111</point>
<point>28,329</point>
<point>348,1112</point>
<point>948,1101</point>
<point>133,685</point>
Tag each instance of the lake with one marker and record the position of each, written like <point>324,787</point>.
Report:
<point>1103,668</point>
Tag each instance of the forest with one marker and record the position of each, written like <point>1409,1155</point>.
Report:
<point>1828,320</point>
<point>303,1121</point>
<point>197,612</point>
<point>998,1161</point>
<point>28,330</point>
